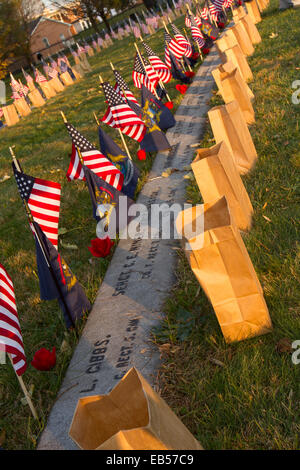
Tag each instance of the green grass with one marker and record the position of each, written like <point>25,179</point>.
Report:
<point>246,395</point>
<point>43,146</point>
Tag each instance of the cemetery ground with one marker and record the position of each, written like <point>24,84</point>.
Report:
<point>240,396</point>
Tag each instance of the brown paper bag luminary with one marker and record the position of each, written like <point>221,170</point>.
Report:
<point>251,29</point>
<point>235,55</point>
<point>229,125</point>
<point>242,38</point>
<point>22,107</point>
<point>224,269</point>
<point>233,88</point>
<point>10,115</point>
<point>224,70</point>
<point>253,11</point>
<point>56,84</point>
<point>216,175</point>
<point>47,89</point>
<point>131,417</point>
<point>36,98</point>
<point>67,79</point>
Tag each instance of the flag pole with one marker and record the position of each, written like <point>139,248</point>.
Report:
<point>161,84</point>
<point>182,61</point>
<point>141,59</point>
<point>25,391</point>
<point>31,220</point>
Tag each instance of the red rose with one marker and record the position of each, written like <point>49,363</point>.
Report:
<point>44,359</point>
<point>190,74</point>
<point>101,247</point>
<point>195,55</point>
<point>205,51</point>
<point>141,154</point>
<point>181,88</point>
<point>169,104</point>
<point>221,25</point>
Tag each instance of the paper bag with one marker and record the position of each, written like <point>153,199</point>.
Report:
<point>251,29</point>
<point>36,98</point>
<point>10,115</point>
<point>253,11</point>
<point>242,38</point>
<point>22,107</point>
<point>67,79</point>
<point>131,417</point>
<point>233,88</point>
<point>235,55</point>
<point>224,70</point>
<point>224,269</point>
<point>56,84</point>
<point>86,65</point>
<point>229,125</point>
<point>77,59</point>
<point>216,175</point>
<point>47,89</point>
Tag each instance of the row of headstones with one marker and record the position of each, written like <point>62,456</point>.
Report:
<point>36,97</point>
<point>133,416</point>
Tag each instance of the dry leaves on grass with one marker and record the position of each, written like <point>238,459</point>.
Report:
<point>284,345</point>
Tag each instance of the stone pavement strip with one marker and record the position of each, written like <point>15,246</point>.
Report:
<point>130,300</point>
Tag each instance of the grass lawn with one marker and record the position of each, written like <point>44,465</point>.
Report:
<point>43,146</point>
<point>246,395</point>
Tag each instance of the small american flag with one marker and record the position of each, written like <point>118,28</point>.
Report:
<point>93,159</point>
<point>52,72</point>
<point>144,74</point>
<point>43,199</point>
<point>16,95</point>
<point>218,4</point>
<point>121,116</point>
<point>121,86</point>
<point>213,12</point>
<point>15,86</point>
<point>80,48</point>
<point>11,340</point>
<point>136,31</point>
<point>181,39</point>
<point>176,49</point>
<point>204,13</point>
<point>159,66</point>
<point>39,77</point>
<point>27,77</point>
<point>196,33</point>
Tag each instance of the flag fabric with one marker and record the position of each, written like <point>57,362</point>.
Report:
<point>121,86</point>
<point>11,340</point>
<point>59,282</point>
<point>24,89</point>
<point>196,33</point>
<point>93,159</point>
<point>120,115</point>
<point>115,154</point>
<point>181,39</point>
<point>159,66</point>
<point>204,13</point>
<point>176,71</point>
<point>16,96</point>
<point>144,75</point>
<point>39,77</point>
<point>15,85</point>
<point>157,110</point>
<point>43,199</point>
<point>218,4</point>
<point>173,46</point>
<point>27,77</point>
<point>105,200</point>
<point>52,72</point>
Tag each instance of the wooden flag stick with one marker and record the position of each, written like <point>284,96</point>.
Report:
<point>112,66</point>
<point>64,117</point>
<point>96,119</point>
<point>101,80</point>
<point>141,59</point>
<point>25,391</point>
<point>124,143</point>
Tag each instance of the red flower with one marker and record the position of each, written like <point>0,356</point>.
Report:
<point>44,359</point>
<point>169,104</point>
<point>101,247</point>
<point>205,51</point>
<point>141,154</point>
<point>181,88</point>
<point>221,25</point>
<point>190,74</point>
<point>195,56</point>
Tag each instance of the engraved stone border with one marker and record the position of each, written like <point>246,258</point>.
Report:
<point>138,281</point>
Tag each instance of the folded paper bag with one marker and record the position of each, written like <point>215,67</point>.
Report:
<point>229,125</point>
<point>224,269</point>
<point>131,417</point>
<point>223,71</point>
<point>217,175</point>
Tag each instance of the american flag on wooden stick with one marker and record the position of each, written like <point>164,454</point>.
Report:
<point>93,159</point>
<point>11,340</point>
<point>121,116</point>
<point>121,86</point>
<point>159,66</point>
<point>173,46</point>
<point>43,199</point>
<point>39,77</point>
<point>144,74</point>
<point>181,39</point>
<point>196,33</point>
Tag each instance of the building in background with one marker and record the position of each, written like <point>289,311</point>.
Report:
<point>50,35</point>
